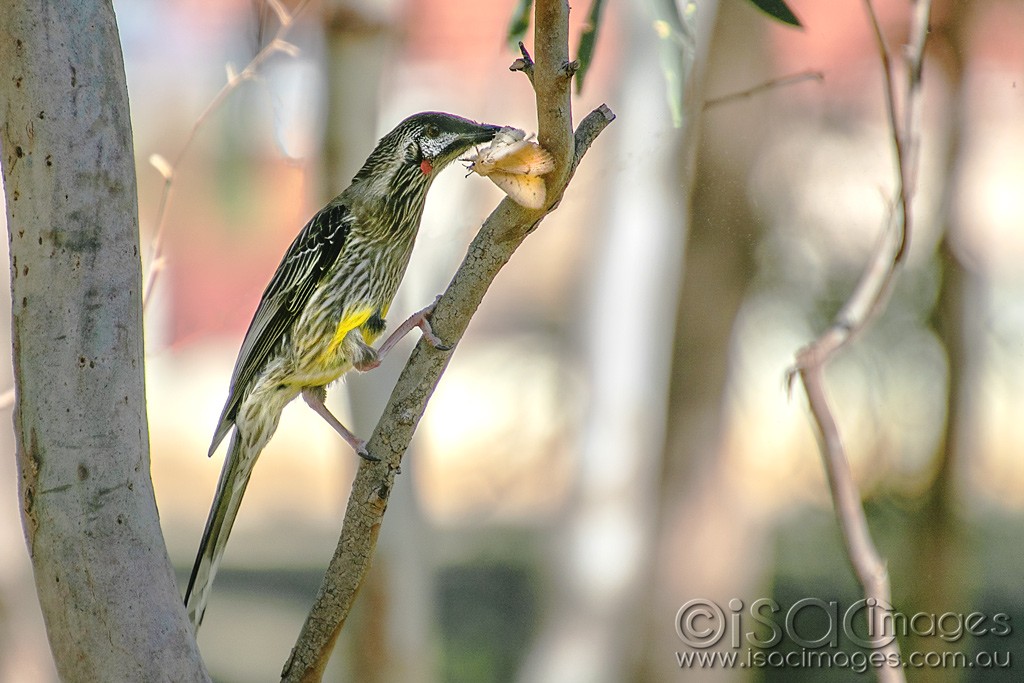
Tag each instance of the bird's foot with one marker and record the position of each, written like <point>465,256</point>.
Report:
<point>360,449</point>
<point>423,322</point>
<point>420,319</point>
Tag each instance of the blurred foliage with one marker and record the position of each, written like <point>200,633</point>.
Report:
<point>677,47</point>
<point>587,41</point>
<point>488,617</point>
<point>811,563</point>
<point>674,29</point>
<point>777,9</point>
<point>519,23</point>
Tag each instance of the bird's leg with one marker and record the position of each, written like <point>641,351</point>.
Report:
<point>420,319</point>
<point>314,398</point>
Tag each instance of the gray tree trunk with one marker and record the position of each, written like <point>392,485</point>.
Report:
<point>105,583</point>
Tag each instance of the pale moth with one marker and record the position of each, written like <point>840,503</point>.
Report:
<point>515,163</point>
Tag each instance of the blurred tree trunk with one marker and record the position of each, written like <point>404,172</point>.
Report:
<point>939,575</point>
<point>603,547</point>
<point>704,541</point>
<point>389,637</point>
<point>106,587</point>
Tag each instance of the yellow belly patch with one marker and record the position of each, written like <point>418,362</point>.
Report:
<point>350,321</point>
<point>328,360</point>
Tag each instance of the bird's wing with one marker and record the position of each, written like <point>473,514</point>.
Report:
<point>308,259</point>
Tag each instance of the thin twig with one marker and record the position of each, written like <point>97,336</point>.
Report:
<point>780,82</point>
<point>866,302</point>
<point>898,132</point>
<point>524,63</point>
<point>168,169</point>
<point>915,70</point>
<point>499,237</point>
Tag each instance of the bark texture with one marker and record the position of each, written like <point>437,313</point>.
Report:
<point>105,583</point>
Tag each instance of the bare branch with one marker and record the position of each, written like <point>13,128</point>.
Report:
<point>781,81</point>
<point>899,132</point>
<point>551,81</point>
<point>524,63</point>
<point>169,169</point>
<point>499,237</point>
<point>867,301</point>
<point>281,12</point>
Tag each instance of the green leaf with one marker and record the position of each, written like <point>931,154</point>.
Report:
<point>777,9</point>
<point>585,55</point>
<point>520,22</point>
<point>677,45</point>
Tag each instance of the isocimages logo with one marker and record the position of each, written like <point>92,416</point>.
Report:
<point>818,628</point>
<point>702,623</point>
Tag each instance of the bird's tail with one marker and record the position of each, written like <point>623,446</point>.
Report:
<point>233,479</point>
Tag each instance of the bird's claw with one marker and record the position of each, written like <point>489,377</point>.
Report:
<point>421,320</point>
<point>428,330</point>
<point>433,339</point>
<point>365,454</point>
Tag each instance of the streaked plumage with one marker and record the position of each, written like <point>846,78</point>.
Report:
<point>324,307</point>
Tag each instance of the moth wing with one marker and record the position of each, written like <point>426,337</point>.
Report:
<point>525,190</point>
<point>528,158</point>
<point>511,153</point>
<point>486,160</point>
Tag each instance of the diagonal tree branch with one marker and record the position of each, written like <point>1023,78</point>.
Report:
<point>499,237</point>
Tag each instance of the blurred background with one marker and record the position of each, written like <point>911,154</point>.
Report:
<point>613,437</point>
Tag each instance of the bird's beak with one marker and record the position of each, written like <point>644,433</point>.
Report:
<point>486,133</point>
<point>471,134</point>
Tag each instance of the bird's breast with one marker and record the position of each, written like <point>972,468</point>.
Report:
<point>347,310</point>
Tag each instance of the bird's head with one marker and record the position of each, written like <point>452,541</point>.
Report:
<point>420,146</point>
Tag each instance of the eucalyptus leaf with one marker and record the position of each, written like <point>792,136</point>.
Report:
<point>777,9</point>
<point>519,23</point>
<point>674,27</point>
<point>585,55</point>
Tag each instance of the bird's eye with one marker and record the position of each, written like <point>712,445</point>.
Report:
<point>431,131</point>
